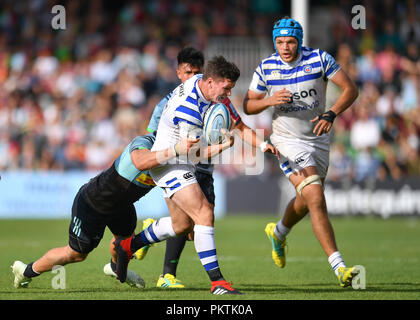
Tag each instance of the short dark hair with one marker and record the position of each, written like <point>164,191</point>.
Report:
<point>218,67</point>
<point>191,56</point>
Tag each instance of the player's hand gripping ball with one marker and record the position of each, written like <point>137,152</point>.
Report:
<point>217,117</point>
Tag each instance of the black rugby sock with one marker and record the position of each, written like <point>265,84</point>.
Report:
<point>137,243</point>
<point>174,247</point>
<point>215,275</point>
<point>29,272</point>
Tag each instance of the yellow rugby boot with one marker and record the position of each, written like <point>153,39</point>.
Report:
<point>169,281</point>
<point>346,275</point>
<point>278,252</point>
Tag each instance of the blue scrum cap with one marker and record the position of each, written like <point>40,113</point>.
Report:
<point>288,28</point>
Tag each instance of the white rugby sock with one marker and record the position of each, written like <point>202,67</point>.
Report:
<point>336,261</point>
<point>205,246</point>
<point>281,231</point>
<point>159,230</point>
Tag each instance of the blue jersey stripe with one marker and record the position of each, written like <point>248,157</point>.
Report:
<point>329,71</point>
<point>262,88</point>
<point>289,71</point>
<point>202,105</point>
<point>192,100</point>
<point>273,61</point>
<point>190,112</point>
<point>312,55</point>
<point>295,80</point>
<point>177,120</point>
<point>259,76</point>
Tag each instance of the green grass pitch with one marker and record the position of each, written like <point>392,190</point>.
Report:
<point>389,250</point>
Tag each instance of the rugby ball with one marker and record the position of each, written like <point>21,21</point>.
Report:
<point>215,118</point>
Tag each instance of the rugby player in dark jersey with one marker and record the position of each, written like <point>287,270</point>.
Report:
<point>106,201</point>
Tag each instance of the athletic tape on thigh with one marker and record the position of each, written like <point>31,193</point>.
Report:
<point>314,179</point>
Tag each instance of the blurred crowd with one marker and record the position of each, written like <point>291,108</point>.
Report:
<point>379,136</point>
<point>73,98</point>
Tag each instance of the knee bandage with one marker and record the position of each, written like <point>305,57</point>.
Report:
<point>314,179</point>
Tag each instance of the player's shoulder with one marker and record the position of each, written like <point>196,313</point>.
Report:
<point>190,84</point>
<point>186,90</point>
<point>313,54</point>
<point>270,61</point>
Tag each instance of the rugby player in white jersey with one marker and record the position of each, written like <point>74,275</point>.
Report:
<point>293,81</point>
<point>183,117</point>
<point>190,63</point>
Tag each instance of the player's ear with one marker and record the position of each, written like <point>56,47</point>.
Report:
<point>178,73</point>
<point>210,81</point>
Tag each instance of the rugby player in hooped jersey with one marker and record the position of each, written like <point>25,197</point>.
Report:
<point>295,81</point>
<point>190,63</point>
<point>183,117</point>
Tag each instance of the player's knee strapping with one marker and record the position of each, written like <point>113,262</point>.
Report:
<point>314,179</point>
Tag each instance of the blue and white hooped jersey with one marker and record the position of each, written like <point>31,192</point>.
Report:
<point>306,78</point>
<point>157,113</point>
<point>183,114</point>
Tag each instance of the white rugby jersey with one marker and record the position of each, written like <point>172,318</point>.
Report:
<point>306,78</point>
<point>182,115</point>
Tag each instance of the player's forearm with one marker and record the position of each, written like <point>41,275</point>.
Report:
<point>214,150</point>
<point>345,100</point>
<point>211,151</point>
<point>254,106</point>
<point>146,159</point>
<point>249,136</point>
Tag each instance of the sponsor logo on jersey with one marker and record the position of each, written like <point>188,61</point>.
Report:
<point>302,95</point>
<point>296,108</point>
<point>145,179</point>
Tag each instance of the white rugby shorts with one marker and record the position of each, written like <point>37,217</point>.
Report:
<point>298,154</point>
<point>174,177</point>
